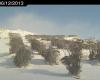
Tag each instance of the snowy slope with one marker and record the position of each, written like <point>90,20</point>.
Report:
<point>4,48</point>
<point>38,70</point>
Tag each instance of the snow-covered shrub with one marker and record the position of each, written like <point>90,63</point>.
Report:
<point>51,56</point>
<point>92,55</point>
<point>15,42</point>
<point>37,45</point>
<point>98,51</point>
<point>72,61</point>
<point>92,47</point>
<point>23,56</point>
<point>60,43</point>
<point>29,37</point>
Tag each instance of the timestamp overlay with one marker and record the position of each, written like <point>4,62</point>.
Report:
<point>12,3</point>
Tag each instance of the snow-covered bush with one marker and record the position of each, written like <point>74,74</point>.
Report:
<point>15,42</point>
<point>51,56</point>
<point>59,43</point>
<point>98,51</point>
<point>72,61</point>
<point>37,45</point>
<point>23,56</point>
<point>91,45</point>
<point>29,37</point>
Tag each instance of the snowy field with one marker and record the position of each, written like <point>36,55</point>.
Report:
<point>38,70</point>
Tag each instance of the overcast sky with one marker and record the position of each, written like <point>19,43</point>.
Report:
<point>82,20</point>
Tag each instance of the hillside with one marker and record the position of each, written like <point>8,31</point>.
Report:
<point>38,70</point>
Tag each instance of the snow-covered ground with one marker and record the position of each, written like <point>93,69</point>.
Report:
<point>38,70</point>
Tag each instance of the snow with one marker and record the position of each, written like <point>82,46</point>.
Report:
<point>85,53</point>
<point>4,48</point>
<point>22,32</point>
<point>47,43</point>
<point>38,69</point>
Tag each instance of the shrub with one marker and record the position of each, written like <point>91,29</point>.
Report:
<point>72,61</point>
<point>98,51</point>
<point>23,56</point>
<point>92,55</point>
<point>29,37</point>
<point>37,45</point>
<point>15,42</point>
<point>51,56</point>
<point>92,46</point>
<point>59,43</point>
